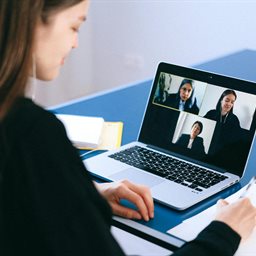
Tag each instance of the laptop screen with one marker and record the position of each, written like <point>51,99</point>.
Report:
<point>202,117</point>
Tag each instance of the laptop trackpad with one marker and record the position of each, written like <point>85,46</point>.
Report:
<point>137,176</point>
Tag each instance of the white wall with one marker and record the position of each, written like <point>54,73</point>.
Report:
<point>126,39</point>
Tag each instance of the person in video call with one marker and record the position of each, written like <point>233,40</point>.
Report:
<point>192,141</point>
<point>227,129</point>
<point>223,113</point>
<point>163,87</point>
<point>184,99</point>
<point>48,202</point>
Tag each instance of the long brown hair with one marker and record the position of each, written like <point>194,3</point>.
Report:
<point>18,19</point>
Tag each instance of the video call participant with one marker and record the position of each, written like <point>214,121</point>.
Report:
<point>192,141</point>
<point>162,89</point>
<point>184,99</point>
<point>227,133</point>
<point>223,113</point>
<point>228,125</point>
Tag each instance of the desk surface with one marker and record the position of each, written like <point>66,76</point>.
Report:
<point>127,104</point>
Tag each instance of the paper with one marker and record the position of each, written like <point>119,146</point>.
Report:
<point>83,131</point>
<point>190,228</point>
<point>111,136</point>
<point>92,132</point>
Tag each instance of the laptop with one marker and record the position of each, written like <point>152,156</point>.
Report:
<point>194,141</point>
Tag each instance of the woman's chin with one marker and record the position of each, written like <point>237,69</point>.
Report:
<point>48,77</point>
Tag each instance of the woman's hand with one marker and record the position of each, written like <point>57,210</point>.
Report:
<point>139,195</point>
<point>240,216</point>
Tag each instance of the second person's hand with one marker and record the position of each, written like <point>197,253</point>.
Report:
<point>240,216</point>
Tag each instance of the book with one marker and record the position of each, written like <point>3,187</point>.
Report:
<point>92,132</point>
<point>111,136</point>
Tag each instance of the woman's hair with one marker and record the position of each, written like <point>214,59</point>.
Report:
<point>191,100</point>
<point>200,125</point>
<point>225,93</point>
<point>18,19</point>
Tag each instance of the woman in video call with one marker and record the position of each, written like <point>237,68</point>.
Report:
<point>227,132</point>
<point>228,125</point>
<point>48,203</point>
<point>184,99</point>
<point>163,87</point>
<point>192,141</point>
<point>223,113</point>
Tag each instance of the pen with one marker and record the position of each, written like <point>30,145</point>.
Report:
<point>245,192</point>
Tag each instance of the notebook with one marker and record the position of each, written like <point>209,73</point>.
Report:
<point>195,138</point>
<point>83,131</point>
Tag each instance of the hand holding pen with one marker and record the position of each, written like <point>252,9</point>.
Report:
<point>241,214</point>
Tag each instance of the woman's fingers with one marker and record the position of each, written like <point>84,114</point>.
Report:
<point>138,195</point>
<point>145,194</point>
<point>125,211</point>
<point>126,192</point>
<point>221,203</point>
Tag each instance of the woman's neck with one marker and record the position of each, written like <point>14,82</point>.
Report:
<point>223,113</point>
<point>223,116</point>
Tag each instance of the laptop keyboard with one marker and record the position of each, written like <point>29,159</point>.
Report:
<point>170,168</point>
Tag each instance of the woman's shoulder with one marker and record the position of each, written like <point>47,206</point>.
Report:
<point>25,107</point>
<point>25,115</point>
<point>172,96</point>
<point>172,100</point>
<point>199,139</point>
<point>183,137</point>
<point>234,116</point>
<point>234,119</point>
<point>211,113</point>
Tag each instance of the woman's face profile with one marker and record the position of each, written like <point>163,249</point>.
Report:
<point>195,130</point>
<point>185,91</point>
<point>55,39</point>
<point>227,103</point>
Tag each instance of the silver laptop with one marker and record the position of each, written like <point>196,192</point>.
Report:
<point>195,137</point>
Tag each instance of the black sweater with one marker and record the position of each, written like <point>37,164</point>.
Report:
<point>50,205</point>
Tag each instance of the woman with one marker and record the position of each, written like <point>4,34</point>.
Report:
<point>223,113</point>
<point>192,141</point>
<point>227,130</point>
<point>184,99</point>
<point>162,89</point>
<point>49,206</point>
